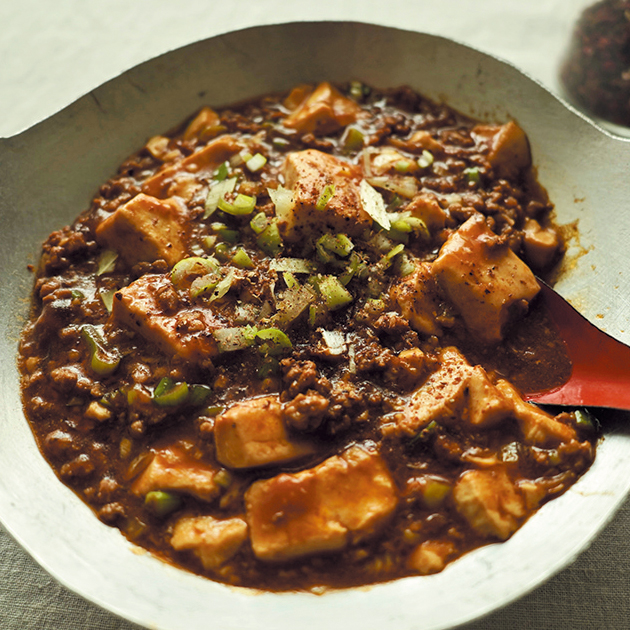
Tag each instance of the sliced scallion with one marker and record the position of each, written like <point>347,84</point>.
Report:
<point>259,222</point>
<point>107,261</point>
<point>256,162</point>
<point>103,361</point>
<point>242,204</point>
<point>325,196</point>
<point>269,240</point>
<point>277,341</point>
<point>170,394</point>
<point>217,192</point>
<point>334,293</point>
<point>472,175</point>
<point>222,172</point>
<point>242,260</point>
<point>426,159</point>
<point>373,204</point>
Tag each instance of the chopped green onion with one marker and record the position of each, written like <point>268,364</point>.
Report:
<point>278,342</point>
<point>280,143</point>
<point>586,420</point>
<point>232,339</point>
<point>352,140</point>
<point>394,252</point>
<point>289,279</point>
<point>107,297</point>
<point>472,174</point>
<point>403,166</point>
<point>169,394</point>
<point>269,239</point>
<point>373,204</point>
<point>213,410</point>
<point>418,226</point>
<point>325,196</point>
<point>404,186</point>
<point>216,193</point>
<point>222,251</point>
<point>222,172</point>
<point>107,261</point>
<point>103,361</point>
<point>435,492</point>
<point>339,244</point>
<point>256,162</point>
<point>188,268</point>
<point>162,503</point>
<point>204,284</point>
<point>293,303</point>
<point>334,293</point>
<point>242,260</point>
<point>259,223</point>
<point>282,199</point>
<point>335,340</point>
<point>198,394</point>
<point>223,286</point>
<point>242,204</point>
<point>401,225</point>
<point>75,294</point>
<point>404,265</point>
<point>426,159</point>
<point>209,242</point>
<point>292,265</point>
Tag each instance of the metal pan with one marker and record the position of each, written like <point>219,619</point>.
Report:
<point>48,175</point>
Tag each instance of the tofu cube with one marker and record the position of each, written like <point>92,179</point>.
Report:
<point>212,540</point>
<point>431,556</point>
<point>308,173</point>
<point>172,469</point>
<point>507,145</point>
<point>490,502</point>
<point>538,427</point>
<point>202,162</point>
<point>442,397</point>
<point>323,111</point>
<point>417,298</point>
<point>252,434</point>
<point>146,229</point>
<point>484,279</point>
<point>186,332</point>
<point>486,403</point>
<point>342,500</point>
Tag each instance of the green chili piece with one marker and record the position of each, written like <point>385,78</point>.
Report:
<point>162,503</point>
<point>102,360</point>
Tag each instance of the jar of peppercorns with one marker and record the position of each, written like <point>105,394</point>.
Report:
<point>596,70</point>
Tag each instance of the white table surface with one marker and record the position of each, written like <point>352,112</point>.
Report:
<point>54,51</point>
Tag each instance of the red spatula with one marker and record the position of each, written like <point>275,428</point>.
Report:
<point>601,365</point>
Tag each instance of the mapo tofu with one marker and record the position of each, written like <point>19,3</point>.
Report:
<point>285,346</point>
